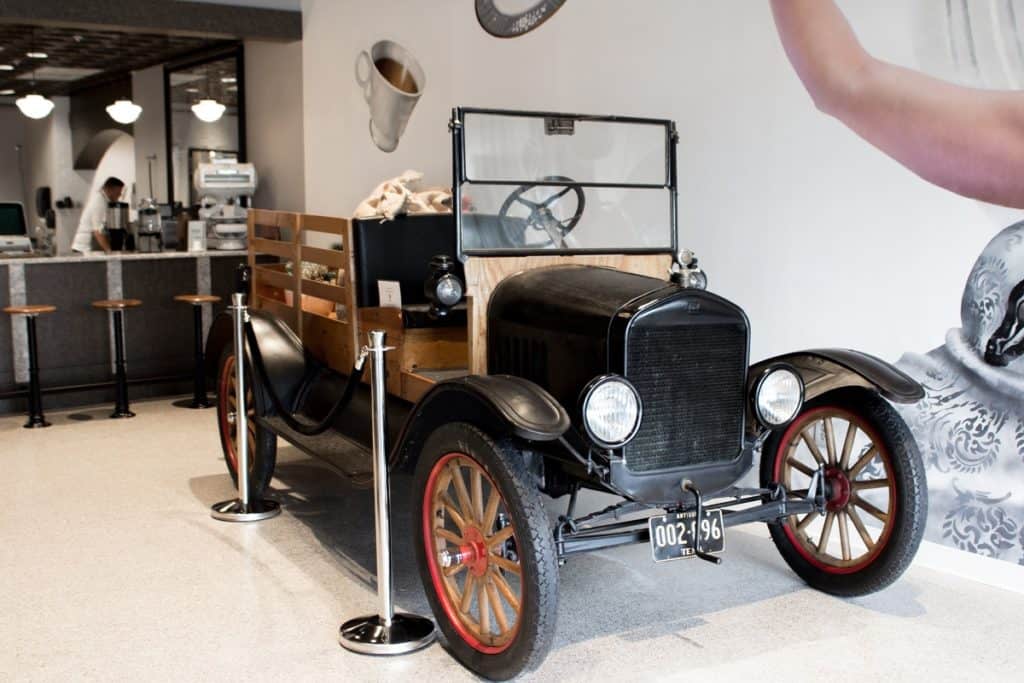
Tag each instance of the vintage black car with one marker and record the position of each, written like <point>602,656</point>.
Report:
<point>553,338</point>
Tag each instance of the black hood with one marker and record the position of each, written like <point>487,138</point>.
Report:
<point>582,299</point>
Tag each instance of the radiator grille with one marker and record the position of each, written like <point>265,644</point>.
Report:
<point>691,381</point>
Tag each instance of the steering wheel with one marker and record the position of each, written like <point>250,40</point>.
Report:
<point>542,216</point>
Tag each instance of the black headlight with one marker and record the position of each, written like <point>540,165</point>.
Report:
<point>443,288</point>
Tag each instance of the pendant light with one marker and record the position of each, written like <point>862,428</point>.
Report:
<point>34,105</point>
<point>208,109</point>
<point>124,110</point>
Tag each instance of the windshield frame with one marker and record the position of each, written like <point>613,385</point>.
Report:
<point>455,126</point>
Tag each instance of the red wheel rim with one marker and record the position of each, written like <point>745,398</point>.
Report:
<point>227,401</point>
<point>465,524</point>
<point>852,496</point>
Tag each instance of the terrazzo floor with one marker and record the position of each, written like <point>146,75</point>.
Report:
<point>112,569</point>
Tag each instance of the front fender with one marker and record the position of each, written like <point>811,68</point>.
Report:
<point>827,369</point>
<point>498,404</point>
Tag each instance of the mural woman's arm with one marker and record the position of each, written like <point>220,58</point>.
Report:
<point>966,140</point>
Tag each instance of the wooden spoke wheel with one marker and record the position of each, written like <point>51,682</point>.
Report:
<point>875,494</point>
<point>859,486</point>
<point>485,549</point>
<point>473,544</point>
<point>228,397</point>
<point>262,447</point>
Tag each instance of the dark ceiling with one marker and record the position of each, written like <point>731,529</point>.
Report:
<point>106,54</point>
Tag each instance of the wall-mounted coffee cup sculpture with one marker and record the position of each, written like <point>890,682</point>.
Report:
<point>392,81</point>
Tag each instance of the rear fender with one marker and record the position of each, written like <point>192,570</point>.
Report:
<point>499,404</point>
<point>283,354</point>
<point>823,370</point>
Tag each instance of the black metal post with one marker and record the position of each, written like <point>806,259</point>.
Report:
<point>199,399</point>
<point>121,376</point>
<point>35,396</point>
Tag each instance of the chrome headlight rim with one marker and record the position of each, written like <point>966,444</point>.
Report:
<point>770,370</point>
<point>588,393</point>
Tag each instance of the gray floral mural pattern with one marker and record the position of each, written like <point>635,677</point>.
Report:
<point>970,425</point>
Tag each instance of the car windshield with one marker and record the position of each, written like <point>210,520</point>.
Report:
<point>538,183</point>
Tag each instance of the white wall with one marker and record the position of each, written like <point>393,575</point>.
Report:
<point>150,131</point>
<point>822,239</point>
<point>12,134</point>
<point>48,162</point>
<point>118,161</point>
<point>273,101</point>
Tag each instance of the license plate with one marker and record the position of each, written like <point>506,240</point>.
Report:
<point>672,534</point>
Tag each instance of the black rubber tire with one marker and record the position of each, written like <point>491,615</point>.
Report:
<point>261,470</point>
<point>504,461</point>
<point>912,497</point>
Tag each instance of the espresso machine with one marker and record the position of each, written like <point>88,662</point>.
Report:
<point>225,189</point>
<point>149,234</point>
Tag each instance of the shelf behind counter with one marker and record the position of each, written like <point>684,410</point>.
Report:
<point>76,342</point>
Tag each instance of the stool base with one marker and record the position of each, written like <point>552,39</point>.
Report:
<point>121,414</point>
<point>36,422</point>
<point>369,636</point>
<point>235,511</point>
<point>200,404</point>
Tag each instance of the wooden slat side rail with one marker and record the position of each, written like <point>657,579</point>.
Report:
<point>275,219</point>
<point>278,308</point>
<point>329,340</point>
<point>273,277</point>
<point>332,258</point>
<point>325,290</point>
<point>261,245</point>
<point>484,273</point>
<point>326,224</point>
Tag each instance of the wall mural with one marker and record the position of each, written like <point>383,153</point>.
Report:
<point>392,81</point>
<point>970,425</point>
<point>511,18</point>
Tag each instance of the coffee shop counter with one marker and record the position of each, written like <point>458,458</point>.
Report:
<point>76,342</point>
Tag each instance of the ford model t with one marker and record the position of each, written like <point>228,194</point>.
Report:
<point>550,337</point>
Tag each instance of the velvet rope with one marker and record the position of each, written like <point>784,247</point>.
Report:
<point>304,428</point>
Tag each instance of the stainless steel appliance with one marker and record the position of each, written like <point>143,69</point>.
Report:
<point>117,224</point>
<point>149,235</point>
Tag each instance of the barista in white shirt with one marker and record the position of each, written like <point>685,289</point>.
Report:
<point>90,228</point>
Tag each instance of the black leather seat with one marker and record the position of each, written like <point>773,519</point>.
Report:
<point>400,250</point>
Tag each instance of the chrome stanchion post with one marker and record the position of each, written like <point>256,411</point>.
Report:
<point>385,633</point>
<point>242,509</point>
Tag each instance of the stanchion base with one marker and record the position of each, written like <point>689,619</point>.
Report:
<point>36,423</point>
<point>369,636</point>
<point>234,511</point>
<point>121,414</point>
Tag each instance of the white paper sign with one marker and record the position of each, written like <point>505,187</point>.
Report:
<point>390,293</point>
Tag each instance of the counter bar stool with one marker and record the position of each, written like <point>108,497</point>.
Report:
<point>116,307</point>
<point>199,399</point>
<point>35,397</point>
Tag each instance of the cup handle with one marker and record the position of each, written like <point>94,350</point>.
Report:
<point>364,83</point>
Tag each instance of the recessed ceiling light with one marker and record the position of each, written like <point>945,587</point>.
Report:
<point>8,91</point>
<point>233,88</point>
<point>191,89</point>
<point>6,67</point>
<point>36,55</point>
<point>228,79</point>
